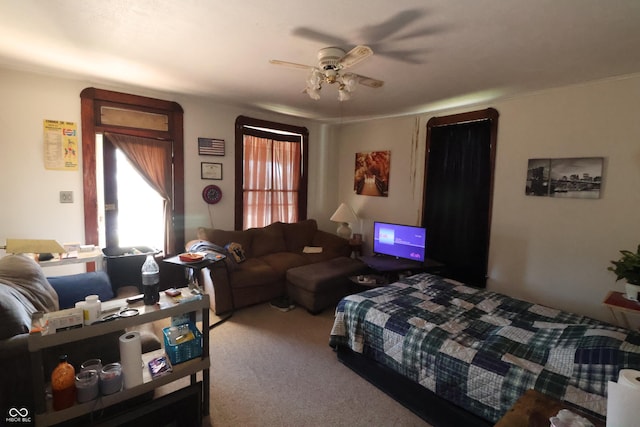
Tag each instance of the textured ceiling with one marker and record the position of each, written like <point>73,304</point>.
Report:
<point>430,54</point>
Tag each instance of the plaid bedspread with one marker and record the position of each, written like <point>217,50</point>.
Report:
<point>482,350</point>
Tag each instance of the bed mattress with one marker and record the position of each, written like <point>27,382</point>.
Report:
<point>482,350</point>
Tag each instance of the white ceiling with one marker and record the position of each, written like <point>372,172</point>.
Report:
<point>431,54</point>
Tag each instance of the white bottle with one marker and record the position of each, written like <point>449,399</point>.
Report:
<point>91,309</point>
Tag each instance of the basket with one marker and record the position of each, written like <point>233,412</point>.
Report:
<point>187,350</point>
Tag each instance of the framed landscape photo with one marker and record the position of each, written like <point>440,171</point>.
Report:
<point>210,170</point>
<point>574,177</point>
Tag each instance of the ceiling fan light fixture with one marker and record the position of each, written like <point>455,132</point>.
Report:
<point>343,94</point>
<point>315,78</point>
<point>331,62</point>
<point>349,81</point>
<point>314,93</point>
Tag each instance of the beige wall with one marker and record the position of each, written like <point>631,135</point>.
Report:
<point>546,250</point>
<point>29,194</point>
<point>552,251</point>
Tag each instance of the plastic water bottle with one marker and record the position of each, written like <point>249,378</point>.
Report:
<point>150,281</point>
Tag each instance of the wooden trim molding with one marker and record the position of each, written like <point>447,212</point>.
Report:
<point>92,101</point>
<point>241,122</point>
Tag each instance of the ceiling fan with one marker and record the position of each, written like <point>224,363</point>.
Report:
<point>332,61</point>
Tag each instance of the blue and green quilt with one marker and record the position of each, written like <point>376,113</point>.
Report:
<point>482,350</point>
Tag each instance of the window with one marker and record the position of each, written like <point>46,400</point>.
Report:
<point>458,192</point>
<point>148,132</point>
<point>271,173</point>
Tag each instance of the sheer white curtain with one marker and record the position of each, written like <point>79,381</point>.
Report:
<point>271,181</point>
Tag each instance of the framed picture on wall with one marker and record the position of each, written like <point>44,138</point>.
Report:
<point>210,170</point>
<point>573,177</point>
<point>210,147</point>
<point>371,175</point>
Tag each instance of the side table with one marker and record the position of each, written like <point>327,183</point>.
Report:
<point>194,268</point>
<point>620,305</point>
<point>533,409</point>
<point>356,249</point>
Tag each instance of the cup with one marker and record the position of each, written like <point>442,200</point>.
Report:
<point>87,385</point>
<point>95,364</point>
<point>111,379</point>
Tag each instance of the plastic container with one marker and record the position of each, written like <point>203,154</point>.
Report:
<point>95,364</point>
<point>63,385</point>
<point>111,379</point>
<point>87,385</point>
<point>91,309</point>
<point>150,281</point>
<point>184,349</point>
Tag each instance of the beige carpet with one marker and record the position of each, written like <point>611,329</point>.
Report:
<point>270,368</point>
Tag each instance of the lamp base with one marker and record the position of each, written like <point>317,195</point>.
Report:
<point>344,231</point>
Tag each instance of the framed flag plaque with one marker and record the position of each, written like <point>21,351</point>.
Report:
<point>210,147</point>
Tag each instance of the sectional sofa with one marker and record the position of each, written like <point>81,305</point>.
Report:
<point>270,251</point>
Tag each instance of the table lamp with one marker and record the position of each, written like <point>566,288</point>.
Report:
<point>344,215</point>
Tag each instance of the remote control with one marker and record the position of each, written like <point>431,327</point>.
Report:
<point>135,298</point>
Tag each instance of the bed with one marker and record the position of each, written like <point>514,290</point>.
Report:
<point>458,355</point>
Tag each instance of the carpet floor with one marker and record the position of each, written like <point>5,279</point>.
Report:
<point>273,368</point>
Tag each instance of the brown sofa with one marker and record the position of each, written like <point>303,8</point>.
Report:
<point>270,251</point>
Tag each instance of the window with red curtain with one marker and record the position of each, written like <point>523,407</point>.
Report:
<point>272,175</point>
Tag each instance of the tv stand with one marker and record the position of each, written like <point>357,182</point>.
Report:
<point>388,264</point>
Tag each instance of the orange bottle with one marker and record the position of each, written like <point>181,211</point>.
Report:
<point>63,384</point>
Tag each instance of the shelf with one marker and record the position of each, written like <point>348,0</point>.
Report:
<point>167,307</point>
<point>148,313</point>
<point>94,256</point>
<point>190,367</point>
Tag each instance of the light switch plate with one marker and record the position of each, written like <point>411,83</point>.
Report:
<point>66,197</point>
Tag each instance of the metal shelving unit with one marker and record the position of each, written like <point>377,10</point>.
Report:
<point>168,307</point>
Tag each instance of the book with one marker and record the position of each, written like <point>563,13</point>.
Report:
<point>312,249</point>
<point>159,366</point>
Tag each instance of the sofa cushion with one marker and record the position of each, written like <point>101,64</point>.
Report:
<point>268,240</point>
<point>282,261</point>
<point>297,235</point>
<point>75,287</point>
<point>254,272</point>
<point>15,312</point>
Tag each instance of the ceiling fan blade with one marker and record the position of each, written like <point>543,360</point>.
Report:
<point>368,81</point>
<point>290,64</point>
<point>355,55</point>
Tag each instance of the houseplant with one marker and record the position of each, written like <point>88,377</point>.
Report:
<point>628,268</point>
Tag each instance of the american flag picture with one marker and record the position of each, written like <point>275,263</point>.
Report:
<point>210,147</point>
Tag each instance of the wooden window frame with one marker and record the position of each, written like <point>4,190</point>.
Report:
<point>92,100</point>
<point>243,121</point>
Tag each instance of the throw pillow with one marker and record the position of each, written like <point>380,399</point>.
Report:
<point>236,251</point>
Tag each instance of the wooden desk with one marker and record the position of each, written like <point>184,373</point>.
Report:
<point>619,305</point>
<point>534,409</point>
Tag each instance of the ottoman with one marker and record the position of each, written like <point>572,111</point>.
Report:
<point>320,285</point>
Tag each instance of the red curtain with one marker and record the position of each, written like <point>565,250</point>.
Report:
<point>271,181</point>
<point>152,159</point>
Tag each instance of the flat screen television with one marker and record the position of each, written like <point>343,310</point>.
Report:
<point>399,241</point>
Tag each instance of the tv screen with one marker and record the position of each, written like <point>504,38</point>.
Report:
<point>401,241</point>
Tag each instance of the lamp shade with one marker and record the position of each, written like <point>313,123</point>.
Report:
<point>344,214</point>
